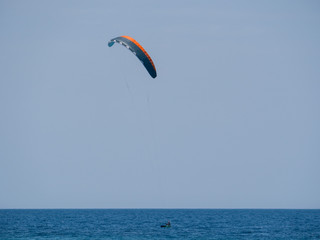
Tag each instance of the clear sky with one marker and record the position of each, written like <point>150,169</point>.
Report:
<point>231,121</point>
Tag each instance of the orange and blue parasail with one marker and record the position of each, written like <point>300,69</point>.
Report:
<point>137,50</point>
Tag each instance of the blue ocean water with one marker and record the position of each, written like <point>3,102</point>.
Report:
<point>145,224</point>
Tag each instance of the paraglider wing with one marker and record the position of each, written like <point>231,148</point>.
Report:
<point>137,50</point>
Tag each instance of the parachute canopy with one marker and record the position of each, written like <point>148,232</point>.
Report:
<point>137,50</point>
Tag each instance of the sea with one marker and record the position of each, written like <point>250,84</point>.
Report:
<point>145,224</point>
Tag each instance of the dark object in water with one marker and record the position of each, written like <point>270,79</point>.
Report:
<point>165,226</point>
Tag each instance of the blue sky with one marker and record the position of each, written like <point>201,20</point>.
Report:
<point>231,121</point>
